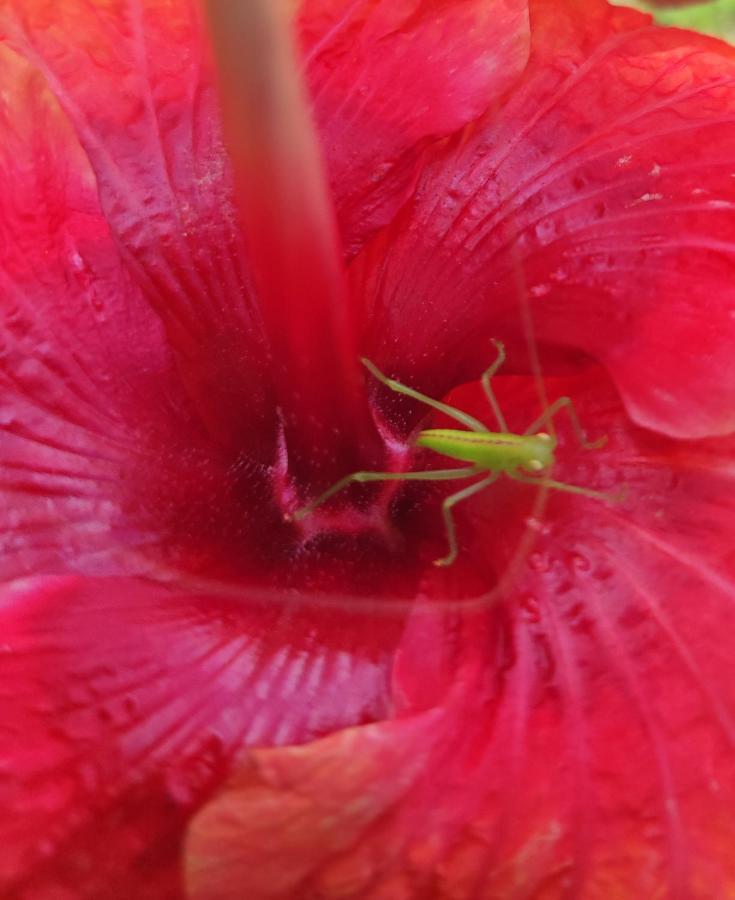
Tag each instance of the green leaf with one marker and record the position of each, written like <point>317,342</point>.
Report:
<point>716,18</point>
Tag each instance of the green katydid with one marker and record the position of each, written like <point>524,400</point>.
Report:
<point>523,457</point>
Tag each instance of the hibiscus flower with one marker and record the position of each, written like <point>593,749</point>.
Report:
<point>201,698</point>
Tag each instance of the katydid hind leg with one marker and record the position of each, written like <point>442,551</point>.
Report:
<point>565,404</point>
<point>367,477</point>
<point>563,486</point>
<point>485,381</point>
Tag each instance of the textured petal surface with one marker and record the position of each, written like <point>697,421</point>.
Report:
<point>575,739</point>
<point>360,55</point>
<point>124,705</point>
<point>84,367</point>
<point>98,392</point>
<point>135,83</point>
<point>607,180</point>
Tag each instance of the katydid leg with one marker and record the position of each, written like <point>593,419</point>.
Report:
<point>485,380</point>
<point>566,404</point>
<point>449,525</point>
<point>555,485</point>
<point>451,411</point>
<point>365,477</point>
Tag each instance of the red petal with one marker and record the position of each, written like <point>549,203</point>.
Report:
<point>575,740</point>
<point>124,705</point>
<point>92,404</point>
<point>133,80</point>
<point>91,400</point>
<point>82,356</point>
<point>388,76</point>
<point>607,181</point>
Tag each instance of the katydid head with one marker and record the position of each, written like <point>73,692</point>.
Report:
<point>539,452</point>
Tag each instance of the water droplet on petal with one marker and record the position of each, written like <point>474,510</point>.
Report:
<point>580,563</point>
<point>7,415</point>
<point>539,562</point>
<point>648,198</point>
<point>98,305</point>
<point>531,609</point>
<point>546,231</point>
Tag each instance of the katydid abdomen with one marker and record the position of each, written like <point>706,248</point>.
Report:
<point>490,450</point>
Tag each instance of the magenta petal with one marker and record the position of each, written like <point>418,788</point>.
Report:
<point>124,705</point>
<point>83,359</point>
<point>135,82</point>
<point>603,192</point>
<point>96,398</point>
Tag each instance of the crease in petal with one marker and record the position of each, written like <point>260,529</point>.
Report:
<point>360,57</point>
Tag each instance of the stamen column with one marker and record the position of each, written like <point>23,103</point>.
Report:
<point>289,226</point>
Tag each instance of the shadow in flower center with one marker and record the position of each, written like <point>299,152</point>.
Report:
<point>371,547</point>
